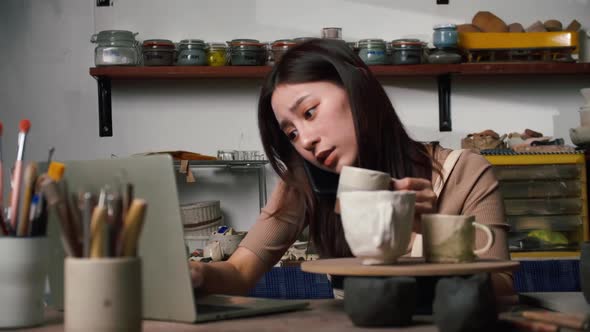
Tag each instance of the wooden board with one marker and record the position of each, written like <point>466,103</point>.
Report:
<point>406,266</point>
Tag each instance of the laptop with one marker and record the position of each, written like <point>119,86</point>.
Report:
<point>167,291</point>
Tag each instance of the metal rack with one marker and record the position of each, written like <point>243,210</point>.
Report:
<point>258,165</point>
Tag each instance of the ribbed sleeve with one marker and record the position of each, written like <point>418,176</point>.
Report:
<point>271,236</point>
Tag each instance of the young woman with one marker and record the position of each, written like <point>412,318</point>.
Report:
<point>321,104</point>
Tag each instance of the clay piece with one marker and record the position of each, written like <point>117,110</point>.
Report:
<point>465,304</point>
<point>487,139</point>
<point>573,26</point>
<point>553,25</point>
<point>536,27</point>
<point>515,27</point>
<point>488,22</point>
<point>371,301</point>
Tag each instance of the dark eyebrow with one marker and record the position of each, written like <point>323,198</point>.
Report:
<point>297,103</point>
<point>292,108</point>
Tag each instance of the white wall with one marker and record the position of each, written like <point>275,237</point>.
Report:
<point>46,54</point>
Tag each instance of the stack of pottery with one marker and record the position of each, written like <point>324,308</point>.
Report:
<point>580,136</point>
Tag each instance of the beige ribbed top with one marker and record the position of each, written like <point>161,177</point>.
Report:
<point>471,189</point>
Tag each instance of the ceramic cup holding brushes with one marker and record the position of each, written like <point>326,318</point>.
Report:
<point>105,256</point>
<point>22,281</point>
<point>23,242</point>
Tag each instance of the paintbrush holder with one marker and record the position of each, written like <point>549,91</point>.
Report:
<point>103,294</point>
<point>23,270</point>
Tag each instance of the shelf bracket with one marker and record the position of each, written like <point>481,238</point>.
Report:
<point>105,119</point>
<point>444,103</point>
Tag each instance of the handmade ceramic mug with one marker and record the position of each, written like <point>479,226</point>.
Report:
<point>377,224</point>
<point>451,238</point>
<point>585,270</point>
<point>360,179</point>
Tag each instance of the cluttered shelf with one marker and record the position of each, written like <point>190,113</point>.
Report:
<point>230,72</point>
<point>224,163</point>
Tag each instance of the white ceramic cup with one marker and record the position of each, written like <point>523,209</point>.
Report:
<point>103,294</point>
<point>377,224</point>
<point>362,179</point>
<point>586,94</point>
<point>585,116</point>
<point>23,271</point>
<point>451,238</point>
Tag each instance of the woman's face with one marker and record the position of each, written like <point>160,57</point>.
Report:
<point>316,118</point>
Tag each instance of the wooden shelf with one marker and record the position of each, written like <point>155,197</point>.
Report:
<point>204,72</point>
<point>443,74</point>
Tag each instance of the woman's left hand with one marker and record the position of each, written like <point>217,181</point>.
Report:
<point>425,196</point>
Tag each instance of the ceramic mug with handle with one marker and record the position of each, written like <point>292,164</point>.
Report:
<point>451,238</point>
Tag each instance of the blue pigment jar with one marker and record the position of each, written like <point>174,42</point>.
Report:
<point>192,52</point>
<point>373,51</point>
<point>445,36</point>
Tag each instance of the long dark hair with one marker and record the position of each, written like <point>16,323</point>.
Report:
<point>383,143</point>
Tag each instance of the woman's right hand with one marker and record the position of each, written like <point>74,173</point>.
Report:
<point>197,275</point>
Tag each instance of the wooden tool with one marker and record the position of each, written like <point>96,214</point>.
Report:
<point>30,179</point>
<point>406,266</point>
<point>97,232</point>
<point>127,246</point>
<point>56,200</point>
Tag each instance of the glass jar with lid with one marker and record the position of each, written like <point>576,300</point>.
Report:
<point>247,52</point>
<point>115,48</point>
<point>407,51</point>
<point>217,54</point>
<point>445,36</point>
<point>280,47</point>
<point>373,51</point>
<point>158,52</point>
<point>192,52</point>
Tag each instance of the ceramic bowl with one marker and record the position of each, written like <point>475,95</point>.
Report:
<point>580,135</point>
<point>227,242</point>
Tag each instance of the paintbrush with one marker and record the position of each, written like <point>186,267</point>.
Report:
<point>97,232</point>
<point>114,205</point>
<point>30,178</point>
<point>55,198</point>
<point>87,200</point>
<point>24,126</point>
<point>132,228</point>
<point>56,170</point>
<point>50,157</point>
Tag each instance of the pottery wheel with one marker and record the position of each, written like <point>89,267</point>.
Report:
<point>406,266</point>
